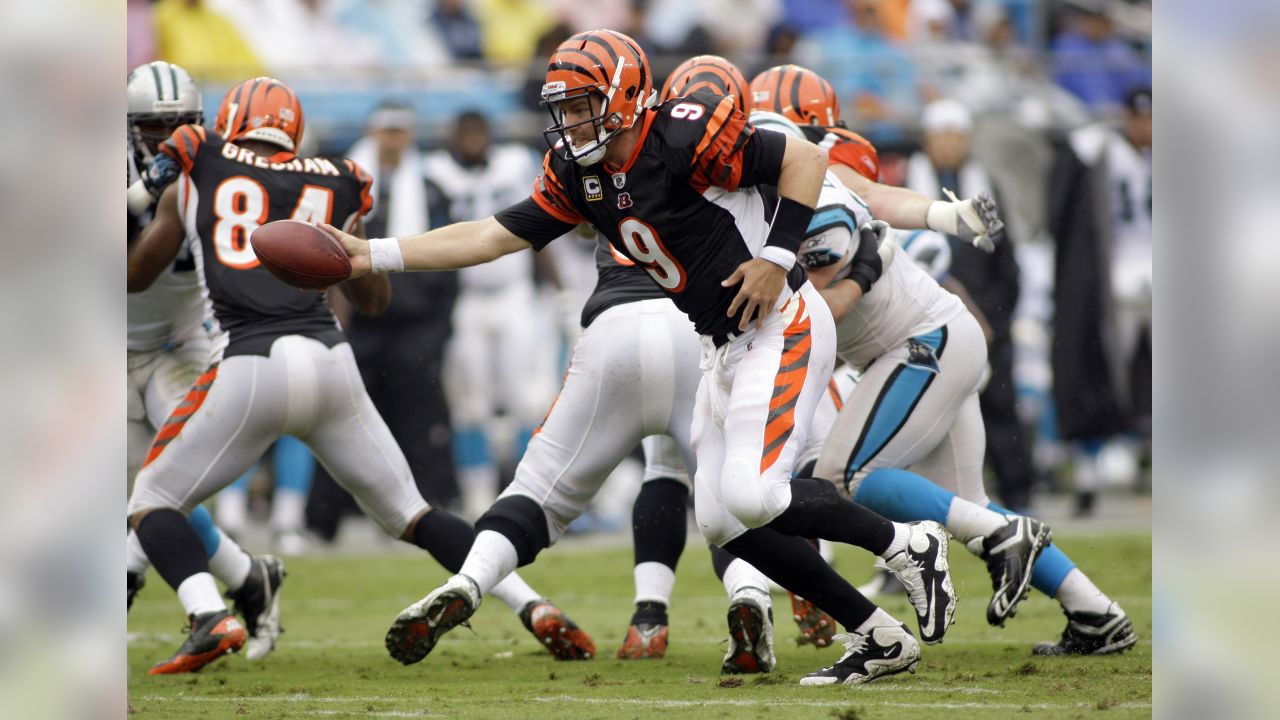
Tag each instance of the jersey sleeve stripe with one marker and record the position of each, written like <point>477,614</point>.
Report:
<point>554,211</point>
<point>714,126</point>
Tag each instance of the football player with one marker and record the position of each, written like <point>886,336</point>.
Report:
<point>660,182</point>
<point>914,415</point>
<point>168,347</point>
<point>279,364</point>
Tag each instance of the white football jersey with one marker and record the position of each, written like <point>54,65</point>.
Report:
<point>904,302</point>
<point>1129,181</point>
<point>172,309</point>
<point>478,192</point>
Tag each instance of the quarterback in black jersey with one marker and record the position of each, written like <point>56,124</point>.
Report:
<point>280,365</point>
<point>683,189</point>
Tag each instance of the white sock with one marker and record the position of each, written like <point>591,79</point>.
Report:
<point>230,563</point>
<point>288,510</point>
<point>879,618</point>
<point>1086,469</point>
<point>135,560</point>
<point>514,592</point>
<point>901,533</point>
<point>741,575</point>
<point>479,488</point>
<point>968,520</point>
<point>233,509</point>
<point>1077,593</point>
<point>491,559</point>
<point>654,582</point>
<point>198,595</point>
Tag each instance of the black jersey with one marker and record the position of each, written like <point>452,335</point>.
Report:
<point>224,194</point>
<point>618,280</point>
<point>692,203</point>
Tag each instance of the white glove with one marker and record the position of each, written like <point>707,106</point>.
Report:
<point>976,220</point>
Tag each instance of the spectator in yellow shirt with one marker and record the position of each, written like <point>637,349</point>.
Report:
<point>190,34</point>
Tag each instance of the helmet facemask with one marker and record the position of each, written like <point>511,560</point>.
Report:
<point>148,130</point>
<point>604,124</point>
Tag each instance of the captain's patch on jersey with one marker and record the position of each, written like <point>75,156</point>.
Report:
<point>592,189</point>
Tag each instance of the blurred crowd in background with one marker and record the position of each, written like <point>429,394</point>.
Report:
<point>1046,102</point>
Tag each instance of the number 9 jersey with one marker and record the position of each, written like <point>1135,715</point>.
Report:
<point>224,194</point>
<point>691,204</point>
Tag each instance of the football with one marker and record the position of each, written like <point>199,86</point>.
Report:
<point>300,254</point>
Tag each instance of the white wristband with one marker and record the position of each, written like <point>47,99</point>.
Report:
<point>943,217</point>
<point>384,255</point>
<point>779,256</point>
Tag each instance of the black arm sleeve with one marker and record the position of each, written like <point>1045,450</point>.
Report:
<point>531,223</point>
<point>762,158</point>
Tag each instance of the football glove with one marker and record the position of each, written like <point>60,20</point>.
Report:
<point>868,263</point>
<point>976,220</point>
<point>163,171</point>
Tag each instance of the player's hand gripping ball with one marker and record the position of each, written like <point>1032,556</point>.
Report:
<point>300,254</point>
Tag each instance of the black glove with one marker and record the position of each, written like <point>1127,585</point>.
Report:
<point>163,171</point>
<point>866,266</point>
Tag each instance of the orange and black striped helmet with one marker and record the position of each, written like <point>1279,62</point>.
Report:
<point>707,72</point>
<point>609,65</point>
<point>798,94</point>
<point>261,109</point>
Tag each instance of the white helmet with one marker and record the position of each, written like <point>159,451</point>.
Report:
<point>773,121</point>
<point>930,250</point>
<point>161,97</point>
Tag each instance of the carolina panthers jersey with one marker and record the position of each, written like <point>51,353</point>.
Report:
<point>172,309</point>
<point>691,204</point>
<point>845,147</point>
<point>1129,181</point>
<point>224,194</point>
<point>903,303</point>
<point>480,191</point>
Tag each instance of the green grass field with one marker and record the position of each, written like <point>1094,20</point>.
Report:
<point>331,662</point>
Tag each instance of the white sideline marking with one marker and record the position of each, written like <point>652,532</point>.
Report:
<point>667,704</point>
<point>812,703</point>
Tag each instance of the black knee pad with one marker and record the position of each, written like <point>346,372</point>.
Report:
<point>520,520</point>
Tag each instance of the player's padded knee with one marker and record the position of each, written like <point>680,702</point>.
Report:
<point>753,499</point>
<point>903,496</point>
<point>202,521</point>
<point>520,520</point>
<point>1051,567</point>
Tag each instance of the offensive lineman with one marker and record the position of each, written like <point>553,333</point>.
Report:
<point>1095,623</point>
<point>280,364</point>
<point>665,199</point>
<point>168,347</point>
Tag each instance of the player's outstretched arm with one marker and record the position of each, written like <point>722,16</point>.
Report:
<point>159,243</point>
<point>447,248</point>
<point>976,220</point>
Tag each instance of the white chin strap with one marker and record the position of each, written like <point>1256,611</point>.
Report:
<point>592,152</point>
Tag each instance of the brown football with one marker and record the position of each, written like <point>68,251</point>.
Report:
<point>300,254</point>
